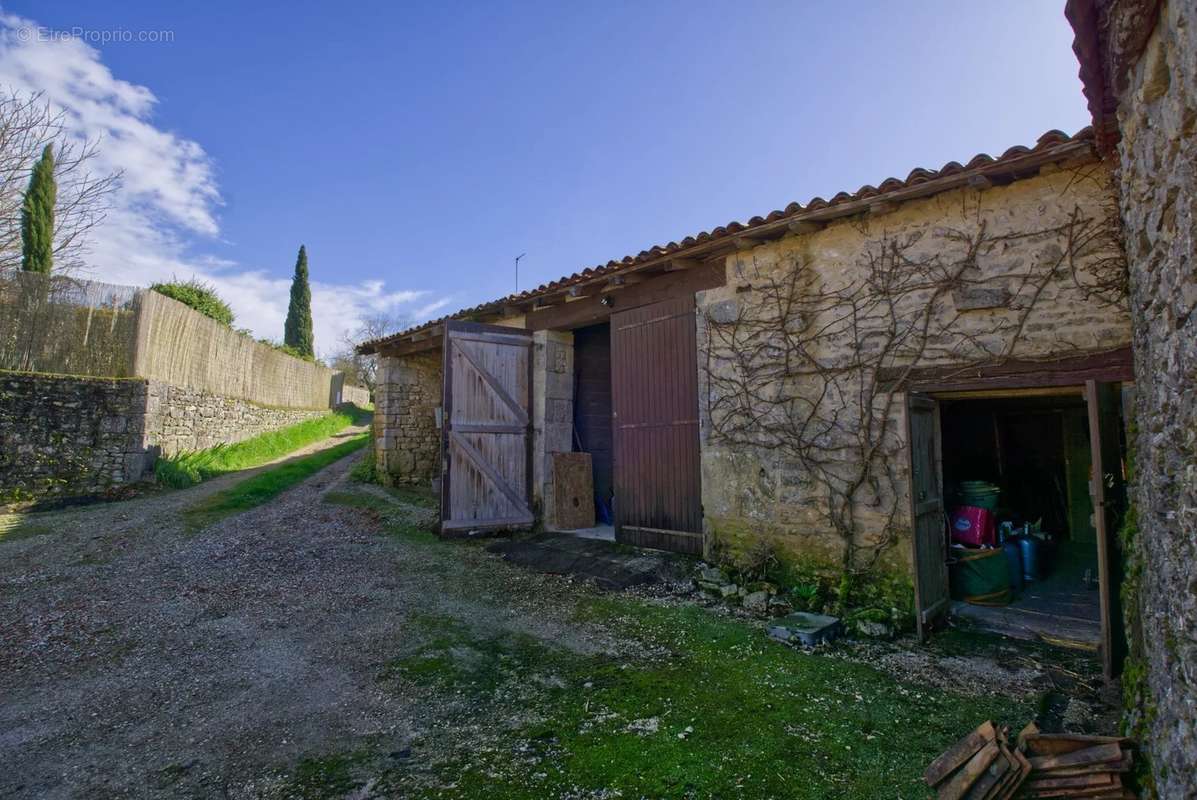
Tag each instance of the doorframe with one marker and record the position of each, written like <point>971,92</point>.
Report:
<point>1045,389</point>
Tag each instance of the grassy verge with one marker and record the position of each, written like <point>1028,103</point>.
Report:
<point>267,485</point>
<point>691,704</point>
<point>726,713</point>
<point>14,527</point>
<point>188,469</point>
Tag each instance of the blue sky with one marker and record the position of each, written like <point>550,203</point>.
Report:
<point>416,150</point>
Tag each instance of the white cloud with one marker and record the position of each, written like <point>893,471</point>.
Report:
<point>168,200</point>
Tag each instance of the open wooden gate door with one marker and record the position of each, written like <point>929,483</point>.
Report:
<point>654,394</point>
<point>1107,487</point>
<point>931,597</point>
<point>486,439</point>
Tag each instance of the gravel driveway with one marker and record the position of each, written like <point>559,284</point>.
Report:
<point>139,659</point>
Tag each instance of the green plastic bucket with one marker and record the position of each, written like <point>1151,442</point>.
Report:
<point>981,494</point>
<point>981,577</point>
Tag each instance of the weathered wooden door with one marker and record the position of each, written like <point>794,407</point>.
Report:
<point>1107,486</point>
<point>654,394</point>
<point>485,430</point>
<point>926,512</point>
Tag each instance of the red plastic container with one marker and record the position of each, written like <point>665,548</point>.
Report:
<point>974,526</point>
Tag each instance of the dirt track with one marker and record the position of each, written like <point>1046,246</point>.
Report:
<point>138,659</point>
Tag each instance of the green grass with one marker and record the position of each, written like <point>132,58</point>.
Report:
<point>267,485</point>
<point>737,715</point>
<point>188,469</point>
<point>14,527</point>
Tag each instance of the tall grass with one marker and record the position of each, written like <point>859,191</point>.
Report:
<point>189,468</point>
<point>266,485</point>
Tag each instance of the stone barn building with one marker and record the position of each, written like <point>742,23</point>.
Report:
<point>1139,68</point>
<point>824,378</point>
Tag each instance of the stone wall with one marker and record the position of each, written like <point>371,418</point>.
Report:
<point>70,436</point>
<point>407,441</point>
<point>180,419</point>
<point>1158,196</point>
<point>978,275</point>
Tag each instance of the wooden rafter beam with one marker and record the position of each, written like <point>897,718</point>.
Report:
<point>679,264</point>
<point>802,227</point>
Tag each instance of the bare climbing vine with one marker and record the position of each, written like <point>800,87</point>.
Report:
<point>813,366</point>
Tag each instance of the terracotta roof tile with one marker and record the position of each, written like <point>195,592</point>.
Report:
<point>919,176</point>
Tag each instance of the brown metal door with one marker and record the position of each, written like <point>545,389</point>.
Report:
<point>1107,486</point>
<point>486,427</point>
<point>654,393</point>
<point>926,513</point>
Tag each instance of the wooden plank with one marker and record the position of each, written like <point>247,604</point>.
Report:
<point>485,476</point>
<point>1108,490</point>
<point>658,488</point>
<point>486,468</point>
<point>955,787</point>
<point>1029,730</point>
<point>497,523</point>
<point>516,408</point>
<point>1096,780</point>
<point>407,347</point>
<point>660,539</point>
<point>1047,744</point>
<point>1106,365</point>
<point>1099,754</point>
<point>987,785</point>
<point>489,427</point>
<point>573,491</point>
<point>591,311</point>
<point>957,754</point>
<point>1020,768</point>
<point>928,543</point>
<point>1086,769</point>
<point>491,337</point>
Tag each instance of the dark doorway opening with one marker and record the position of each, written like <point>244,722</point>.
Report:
<point>1025,462</point>
<point>592,412</point>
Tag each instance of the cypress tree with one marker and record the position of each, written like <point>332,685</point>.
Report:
<point>297,333</point>
<point>37,216</point>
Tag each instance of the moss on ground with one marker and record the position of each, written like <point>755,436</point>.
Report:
<point>693,704</point>
<point>720,711</point>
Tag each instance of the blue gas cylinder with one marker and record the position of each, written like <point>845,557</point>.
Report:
<point>1013,564</point>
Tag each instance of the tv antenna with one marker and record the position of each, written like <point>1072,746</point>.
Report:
<point>517,271</point>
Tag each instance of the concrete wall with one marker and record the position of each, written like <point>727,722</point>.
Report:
<point>358,395</point>
<point>407,441</point>
<point>1158,197</point>
<point>1016,292</point>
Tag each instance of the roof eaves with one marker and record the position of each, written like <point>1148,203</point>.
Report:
<point>1016,162</point>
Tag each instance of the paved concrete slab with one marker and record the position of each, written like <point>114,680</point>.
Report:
<point>610,565</point>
